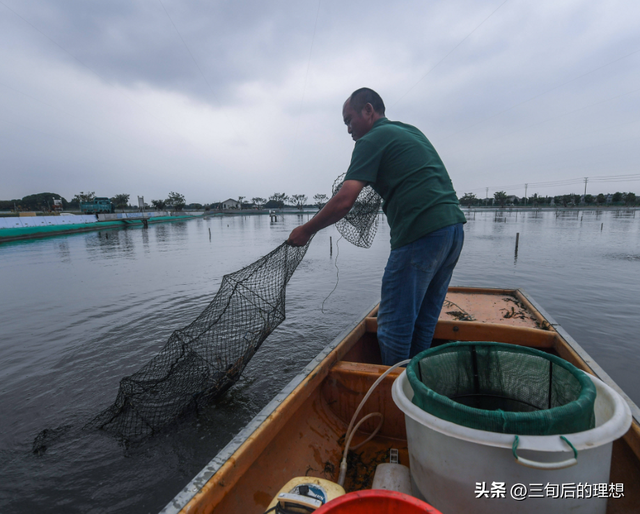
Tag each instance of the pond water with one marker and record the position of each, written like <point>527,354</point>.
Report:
<point>82,311</point>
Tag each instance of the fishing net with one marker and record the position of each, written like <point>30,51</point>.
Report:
<point>502,388</point>
<point>202,360</point>
<point>359,226</point>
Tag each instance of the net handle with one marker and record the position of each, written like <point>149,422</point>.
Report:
<point>545,465</point>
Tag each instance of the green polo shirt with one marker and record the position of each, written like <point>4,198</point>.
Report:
<point>400,163</point>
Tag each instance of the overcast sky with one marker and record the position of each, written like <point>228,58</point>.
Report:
<point>217,99</point>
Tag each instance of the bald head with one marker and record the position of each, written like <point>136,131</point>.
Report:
<point>360,115</point>
<point>363,96</point>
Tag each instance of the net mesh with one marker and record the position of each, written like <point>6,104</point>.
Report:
<point>359,226</point>
<point>202,360</point>
<point>502,388</point>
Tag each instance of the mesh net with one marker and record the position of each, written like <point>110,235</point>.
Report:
<point>502,388</point>
<point>202,360</point>
<point>360,225</point>
<point>205,358</point>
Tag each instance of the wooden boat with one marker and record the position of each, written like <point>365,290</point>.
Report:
<point>301,431</point>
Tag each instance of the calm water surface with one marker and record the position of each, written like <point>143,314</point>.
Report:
<point>80,312</point>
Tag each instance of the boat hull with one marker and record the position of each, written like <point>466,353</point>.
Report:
<point>301,431</point>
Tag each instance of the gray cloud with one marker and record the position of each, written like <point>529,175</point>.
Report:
<point>533,92</point>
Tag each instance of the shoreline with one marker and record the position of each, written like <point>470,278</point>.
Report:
<point>32,227</point>
<point>36,227</point>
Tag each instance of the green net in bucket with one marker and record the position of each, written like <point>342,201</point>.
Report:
<point>502,388</point>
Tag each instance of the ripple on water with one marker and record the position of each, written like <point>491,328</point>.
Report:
<point>631,257</point>
<point>88,312</point>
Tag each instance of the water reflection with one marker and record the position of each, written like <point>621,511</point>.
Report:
<point>567,214</point>
<point>145,240</point>
<point>624,257</point>
<point>161,233</point>
<point>111,244</point>
<point>63,249</point>
<point>119,313</point>
<point>179,228</point>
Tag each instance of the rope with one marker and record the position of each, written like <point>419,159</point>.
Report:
<point>335,263</point>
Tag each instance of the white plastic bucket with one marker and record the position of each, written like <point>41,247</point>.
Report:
<point>451,464</point>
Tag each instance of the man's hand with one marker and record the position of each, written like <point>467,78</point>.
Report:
<point>299,236</point>
<point>335,209</point>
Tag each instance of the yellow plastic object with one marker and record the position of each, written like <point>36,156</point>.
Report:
<point>316,489</point>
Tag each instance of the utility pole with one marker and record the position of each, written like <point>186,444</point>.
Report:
<point>486,199</point>
<point>525,193</point>
<point>586,179</point>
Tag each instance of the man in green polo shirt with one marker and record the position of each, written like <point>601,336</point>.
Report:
<point>400,163</point>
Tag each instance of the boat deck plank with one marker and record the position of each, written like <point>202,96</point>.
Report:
<point>505,309</point>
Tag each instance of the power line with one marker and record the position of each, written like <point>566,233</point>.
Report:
<point>541,94</point>
<point>304,84</point>
<point>313,39</point>
<point>632,177</point>
<point>555,141</point>
<point>449,53</point>
<point>197,66</point>
<point>547,120</point>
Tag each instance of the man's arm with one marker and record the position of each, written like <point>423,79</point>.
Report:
<point>335,209</point>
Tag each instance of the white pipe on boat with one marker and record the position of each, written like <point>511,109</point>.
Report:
<point>350,432</point>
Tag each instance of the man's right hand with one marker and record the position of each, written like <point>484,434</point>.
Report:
<point>335,209</point>
<point>299,236</point>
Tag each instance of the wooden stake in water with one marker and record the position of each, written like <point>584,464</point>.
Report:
<point>517,240</point>
<point>330,247</point>
<point>601,225</point>
<point>209,233</point>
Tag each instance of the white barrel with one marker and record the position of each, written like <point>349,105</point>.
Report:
<point>459,469</point>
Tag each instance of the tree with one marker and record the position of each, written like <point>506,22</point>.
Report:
<point>535,199</point>
<point>468,199</point>
<point>240,199</point>
<point>159,205</point>
<point>600,199</point>
<point>9,205</point>
<point>175,200</point>
<point>279,199</point>
<point>43,201</point>
<point>567,200</point>
<point>500,197</point>
<point>298,201</point>
<point>259,202</point>
<point>320,200</point>
<point>83,197</point>
<point>120,201</point>
<point>631,199</point>
<point>617,197</point>
<point>589,199</point>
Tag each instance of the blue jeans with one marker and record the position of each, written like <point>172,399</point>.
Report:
<point>414,287</point>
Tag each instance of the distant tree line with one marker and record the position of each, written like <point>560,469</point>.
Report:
<point>278,201</point>
<point>37,202</point>
<point>45,202</point>
<point>175,201</point>
<point>501,198</point>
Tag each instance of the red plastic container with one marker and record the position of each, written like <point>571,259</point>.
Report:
<point>376,501</point>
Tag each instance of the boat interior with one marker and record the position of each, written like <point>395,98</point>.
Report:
<point>305,435</point>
